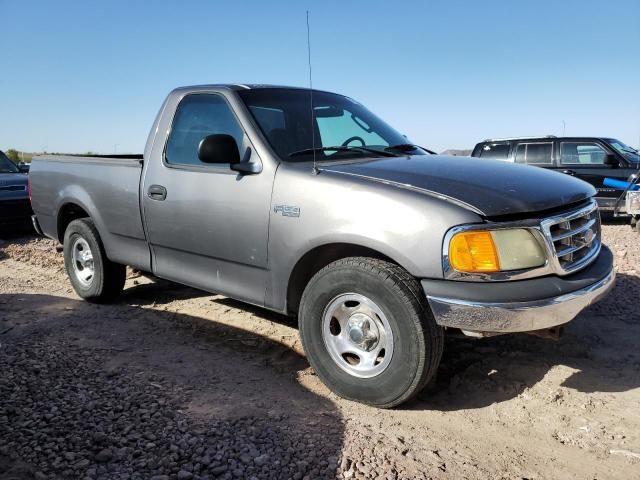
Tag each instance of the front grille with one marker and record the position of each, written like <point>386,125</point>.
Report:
<point>574,238</point>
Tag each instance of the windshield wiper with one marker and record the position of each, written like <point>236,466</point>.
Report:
<point>307,151</point>
<point>408,147</point>
<point>402,147</point>
<point>319,149</point>
<point>384,152</point>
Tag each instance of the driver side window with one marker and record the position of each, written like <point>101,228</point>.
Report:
<point>336,130</point>
<point>197,116</point>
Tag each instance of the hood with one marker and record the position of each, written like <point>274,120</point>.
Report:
<point>13,186</point>
<point>490,187</point>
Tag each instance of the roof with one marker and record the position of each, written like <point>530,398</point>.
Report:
<point>239,87</point>
<point>236,86</point>
<point>547,137</point>
<point>518,138</point>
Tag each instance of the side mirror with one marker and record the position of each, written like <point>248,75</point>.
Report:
<point>246,168</point>
<point>219,148</point>
<point>611,159</point>
<point>24,167</point>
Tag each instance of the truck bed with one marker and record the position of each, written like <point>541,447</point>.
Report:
<point>105,187</point>
<point>117,159</point>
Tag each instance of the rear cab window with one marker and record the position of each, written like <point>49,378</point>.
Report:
<point>338,128</point>
<point>270,118</point>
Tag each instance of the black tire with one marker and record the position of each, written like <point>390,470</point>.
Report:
<point>107,279</point>
<point>417,339</point>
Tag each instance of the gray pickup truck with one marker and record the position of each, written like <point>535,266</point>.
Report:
<point>329,214</point>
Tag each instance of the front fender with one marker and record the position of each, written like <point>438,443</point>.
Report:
<point>403,225</point>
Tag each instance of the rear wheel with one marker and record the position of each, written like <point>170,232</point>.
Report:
<point>94,277</point>
<point>368,331</point>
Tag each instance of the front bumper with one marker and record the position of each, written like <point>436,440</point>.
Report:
<point>515,308</point>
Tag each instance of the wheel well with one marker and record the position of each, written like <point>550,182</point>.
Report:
<point>314,260</point>
<point>67,214</point>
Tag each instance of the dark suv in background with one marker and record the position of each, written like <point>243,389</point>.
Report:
<point>589,158</point>
<point>15,208</point>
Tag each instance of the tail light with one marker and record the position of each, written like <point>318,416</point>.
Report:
<point>29,187</point>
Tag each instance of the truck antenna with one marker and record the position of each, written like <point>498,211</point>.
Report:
<point>313,130</point>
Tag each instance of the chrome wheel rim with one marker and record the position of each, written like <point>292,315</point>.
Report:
<point>82,260</point>
<point>357,335</point>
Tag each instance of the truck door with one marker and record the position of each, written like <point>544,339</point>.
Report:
<point>206,224</point>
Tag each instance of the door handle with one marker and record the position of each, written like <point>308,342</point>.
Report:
<point>569,172</point>
<point>157,192</point>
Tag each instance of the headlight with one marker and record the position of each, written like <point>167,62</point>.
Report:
<point>486,251</point>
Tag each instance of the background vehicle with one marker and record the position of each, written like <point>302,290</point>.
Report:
<point>327,213</point>
<point>591,159</point>
<point>15,208</point>
<point>629,199</point>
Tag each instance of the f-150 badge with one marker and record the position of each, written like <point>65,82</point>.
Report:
<point>287,210</point>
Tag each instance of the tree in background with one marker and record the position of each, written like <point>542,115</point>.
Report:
<point>13,154</point>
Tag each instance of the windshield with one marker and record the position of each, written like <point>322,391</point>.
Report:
<point>284,116</point>
<point>6,165</point>
<point>628,152</point>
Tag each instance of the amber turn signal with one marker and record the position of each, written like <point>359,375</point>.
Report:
<point>474,252</point>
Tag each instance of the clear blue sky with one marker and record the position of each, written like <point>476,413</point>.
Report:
<point>84,75</point>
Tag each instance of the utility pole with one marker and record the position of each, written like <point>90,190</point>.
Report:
<point>564,128</point>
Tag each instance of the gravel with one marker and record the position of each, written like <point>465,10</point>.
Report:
<point>64,415</point>
<point>171,383</point>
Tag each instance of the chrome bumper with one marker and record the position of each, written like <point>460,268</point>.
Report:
<point>529,316</point>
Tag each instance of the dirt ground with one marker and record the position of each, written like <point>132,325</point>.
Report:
<point>171,382</point>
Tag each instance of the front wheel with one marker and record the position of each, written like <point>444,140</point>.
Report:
<point>368,331</point>
<point>94,277</point>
